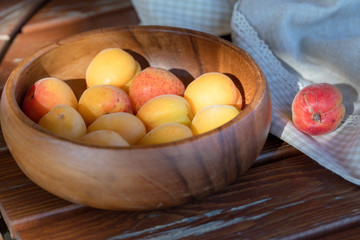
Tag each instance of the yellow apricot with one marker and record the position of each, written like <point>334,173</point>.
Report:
<point>104,138</point>
<point>127,125</point>
<point>239,101</point>
<point>102,99</point>
<point>168,132</point>
<point>164,109</point>
<point>212,117</point>
<point>65,121</point>
<point>211,88</point>
<point>126,86</point>
<point>111,66</point>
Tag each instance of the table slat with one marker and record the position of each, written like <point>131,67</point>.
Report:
<point>23,203</point>
<point>70,13</point>
<point>352,233</point>
<point>294,199</point>
<point>13,14</point>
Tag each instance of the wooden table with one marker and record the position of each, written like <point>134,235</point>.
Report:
<point>285,195</point>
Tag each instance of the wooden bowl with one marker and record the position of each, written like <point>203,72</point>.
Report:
<point>138,177</point>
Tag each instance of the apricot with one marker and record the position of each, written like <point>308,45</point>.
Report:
<point>104,138</point>
<point>111,66</point>
<point>152,82</point>
<point>168,132</point>
<point>212,88</point>
<point>239,101</point>
<point>317,109</point>
<point>102,99</point>
<point>164,109</point>
<point>126,86</point>
<point>212,117</point>
<point>44,94</point>
<point>64,121</point>
<point>127,125</point>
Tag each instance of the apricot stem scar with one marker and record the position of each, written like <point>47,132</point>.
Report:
<point>316,117</point>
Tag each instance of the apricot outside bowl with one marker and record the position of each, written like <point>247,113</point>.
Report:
<point>138,177</point>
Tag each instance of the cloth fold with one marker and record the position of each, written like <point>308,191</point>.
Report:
<point>300,43</point>
<point>296,43</point>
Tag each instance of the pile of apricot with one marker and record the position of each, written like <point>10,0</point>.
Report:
<point>125,105</point>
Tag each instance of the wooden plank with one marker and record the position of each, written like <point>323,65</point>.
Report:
<point>35,204</point>
<point>293,199</point>
<point>3,146</point>
<point>13,14</point>
<point>60,13</point>
<point>4,44</point>
<point>23,46</point>
<point>22,203</point>
<point>352,233</point>
<point>11,176</point>
<point>3,48</point>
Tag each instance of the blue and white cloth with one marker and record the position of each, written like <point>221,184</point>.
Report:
<point>296,43</point>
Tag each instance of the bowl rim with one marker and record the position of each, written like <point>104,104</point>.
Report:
<point>10,85</point>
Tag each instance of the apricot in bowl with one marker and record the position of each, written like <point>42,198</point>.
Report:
<point>146,176</point>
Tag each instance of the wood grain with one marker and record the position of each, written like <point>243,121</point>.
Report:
<point>24,205</point>
<point>3,146</point>
<point>21,201</point>
<point>81,14</point>
<point>4,43</point>
<point>346,233</point>
<point>14,13</point>
<point>262,204</point>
